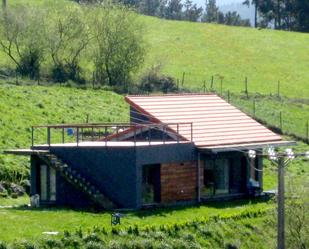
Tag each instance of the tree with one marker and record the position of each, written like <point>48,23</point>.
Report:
<point>192,12</point>
<point>149,7</point>
<point>22,38</point>
<point>118,45</point>
<point>173,10</point>
<point>68,36</point>
<point>256,4</point>
<point>211,12</point>
<point>234,19</point>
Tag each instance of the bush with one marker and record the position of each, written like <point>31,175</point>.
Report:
<point>2,245</point>
<point>30,64</point>
<point>154,81</point>
<point>23,245</point>
<point>64,72</point>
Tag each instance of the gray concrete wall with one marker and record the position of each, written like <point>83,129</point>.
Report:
<point>111,169</point>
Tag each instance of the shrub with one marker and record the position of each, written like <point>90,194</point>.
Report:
<point>30,64</point>
<point>64,72</point>
<point>53,243</point>
<point>94,245</point>
<point>23,245</point>
<point>2,245</point>
<point>154,81</point>
<point>92,237</point>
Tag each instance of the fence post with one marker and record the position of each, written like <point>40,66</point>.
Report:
<point>307,131</point>
<point>246,86</point>
<point>278,89</point>
<point>32,136</point>
<point>48,136</point>
<point>183,79</point>
<point>204,86</point>
<point>77,136</point>
<point>228,96</point>
<point>212,83</point>
<point>221,85</point>
<point>254,107</point>
<point>93,79</point>
<point>281,128</point>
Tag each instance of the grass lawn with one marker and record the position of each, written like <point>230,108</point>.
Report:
<point>27,223</point>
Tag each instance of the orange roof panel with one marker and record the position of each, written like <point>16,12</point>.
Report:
<point>215,122</point>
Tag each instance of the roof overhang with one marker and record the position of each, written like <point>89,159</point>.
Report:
<point>242,147</point>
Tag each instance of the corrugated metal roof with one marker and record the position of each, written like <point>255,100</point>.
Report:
<point>215,122</point>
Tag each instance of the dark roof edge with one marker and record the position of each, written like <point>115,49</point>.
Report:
<point>240,147</point>
<point>168,94</point>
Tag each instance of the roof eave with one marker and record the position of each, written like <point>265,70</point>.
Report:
<point>241,147</point>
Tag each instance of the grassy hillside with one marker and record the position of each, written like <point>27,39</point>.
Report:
<point>202,50</point>
<point>24,106</point>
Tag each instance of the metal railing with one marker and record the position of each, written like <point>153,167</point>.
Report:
<point>104,132</point>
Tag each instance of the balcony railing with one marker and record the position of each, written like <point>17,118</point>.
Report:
<point>105,132</point>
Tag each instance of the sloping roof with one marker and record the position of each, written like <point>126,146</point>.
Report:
<point>215,122</point>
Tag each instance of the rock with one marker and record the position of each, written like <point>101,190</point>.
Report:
<point>2,188</point>
<point>19,190</point>
<point>26,185</point>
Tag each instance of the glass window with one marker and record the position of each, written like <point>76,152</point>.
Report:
<point>221,176</point>
<point>43,182</point>
<point>52,184</point>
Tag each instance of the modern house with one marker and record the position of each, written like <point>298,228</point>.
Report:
<point>176,148</point>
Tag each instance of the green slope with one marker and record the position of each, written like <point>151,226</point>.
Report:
<point>202,50</point>
<point>24,106</point>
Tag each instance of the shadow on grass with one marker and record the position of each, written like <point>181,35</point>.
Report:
<point>157,211</point>
<point>164,211</point>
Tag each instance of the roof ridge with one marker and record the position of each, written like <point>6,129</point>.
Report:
<point>170,94</point>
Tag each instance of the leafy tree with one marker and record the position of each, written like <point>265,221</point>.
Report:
<point>150,7</point>
<point>173,10</point>
<point>234,19</point>
<point>67,36</point>
<point>22,38</point>
<point>192,12</point>
<point>212,11</point>
<point>118,46</point>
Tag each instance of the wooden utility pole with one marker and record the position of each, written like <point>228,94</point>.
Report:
<point>281,221</point>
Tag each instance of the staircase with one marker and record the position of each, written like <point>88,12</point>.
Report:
<point>73,177</point>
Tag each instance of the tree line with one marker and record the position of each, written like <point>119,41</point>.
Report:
<point>63,40</point>
<point>290,15</point>
<point>182,10</point>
